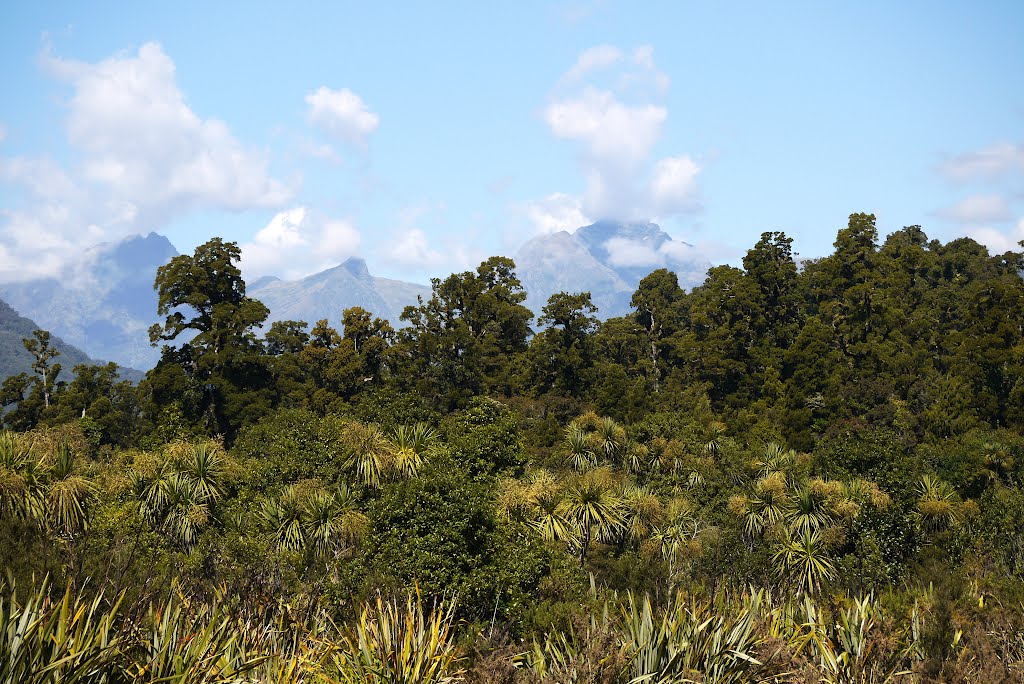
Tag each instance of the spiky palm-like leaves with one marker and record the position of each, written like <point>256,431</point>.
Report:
<point>180,496</point>
<point>776,459</point>
<point>332,522</point>
<point>400,643</point>
<point>409,445</point>
<point>766,507</point>
<point>802,560</point>
<point>937,504</point>
<point>682,537</point>
<point>809,511</point>
<point>537,504</point>
<point>67,494</point>
<point>591,505</point>
<point>688,641</point>
<point>641,512</point>
<point>20,479</point>
<point>579,451</point>
<point>192,644</point>
<point>320,521</point>
<point>204,464</point>
<point>70,640</point>
<point>367,453</point>
<point>591,439</point>
<point>282,519</point>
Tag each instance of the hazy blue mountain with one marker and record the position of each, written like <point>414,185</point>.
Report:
<point>14,358</point>
<point>328,293</point>
<point>104,304</point>
<point>606,258</point>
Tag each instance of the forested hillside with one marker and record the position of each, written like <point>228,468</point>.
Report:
<point>786,474</point>
<point>14,357</point>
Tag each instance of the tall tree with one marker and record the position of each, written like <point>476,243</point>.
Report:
<point>563,354</point>
<point>42,353</point>
<point>204,295</point>
<point>460,342</point>
<point>657,303</point>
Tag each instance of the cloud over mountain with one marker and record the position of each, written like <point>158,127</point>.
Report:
<point>142,157</point>
<point>608,103</point>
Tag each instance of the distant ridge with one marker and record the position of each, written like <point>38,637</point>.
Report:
<point>327,293</point>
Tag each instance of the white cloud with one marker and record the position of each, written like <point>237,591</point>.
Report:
<point>558,211</point>
<point>988,164</point>
<point>979,209</point>
<point>423,245</point>
<point>142,142</point>
<point>674,185</point>
<point>342,115</point>
<point>617,128</point>
<point>610,130</point>
<point>623,252</point>
<point>299,242</point>
<point>143,157</point>
<point>999,241</point>
<point>597,57</point>
<point>321,151</point>
<point>412,248</point>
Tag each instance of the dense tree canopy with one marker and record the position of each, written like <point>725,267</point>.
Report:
<point>798,463</point>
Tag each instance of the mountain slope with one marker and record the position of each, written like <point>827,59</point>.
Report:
<point>105,304</point>
<point>328,293</point>
<point>14,358</point>
<point>607,259</point>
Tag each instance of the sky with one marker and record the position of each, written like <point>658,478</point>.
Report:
<point>425,137</point>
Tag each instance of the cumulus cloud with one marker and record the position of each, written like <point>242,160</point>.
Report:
<point>979,209</point>
<point>617,127</point>
<point>999,241</point>
<point>143,158</point>
<point>996,175</point>
<point>299,242</point>
<point>674,185</point>
<point>558,211</point>
<point>610,130</point>
<point>988,164</point>
<point>342,115</point>
<point>141,140</point>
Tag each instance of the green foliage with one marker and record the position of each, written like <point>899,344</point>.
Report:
<point>485,438</point>
<point>69,640</point>
<point>291,445</point>
<point>394,643</point>
<point>220,367</point>
<point>846,434</point>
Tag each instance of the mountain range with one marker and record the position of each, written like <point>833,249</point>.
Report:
<point>106,303</point>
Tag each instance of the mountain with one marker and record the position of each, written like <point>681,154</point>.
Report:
<point>105,303</point>
<point>328,293</point>
<point>606,258</point>
<point>14,358</point>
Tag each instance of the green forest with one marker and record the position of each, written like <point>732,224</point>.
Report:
<point>799,471</point>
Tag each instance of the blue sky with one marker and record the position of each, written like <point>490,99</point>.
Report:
<point>428,136</point>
